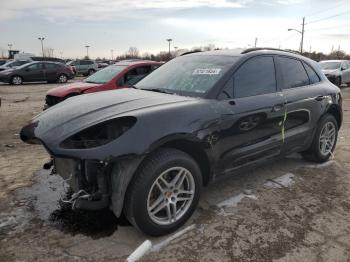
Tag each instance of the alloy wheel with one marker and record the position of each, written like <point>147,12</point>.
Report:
<point>17,80</point>
<point>171,196</point>
<point>327,138</point>
<point>62,79</point>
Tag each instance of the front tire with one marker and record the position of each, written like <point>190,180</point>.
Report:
<point>164,193</point>
<point>324,141</point>
<point>338,81</point>
<point>16,80</point>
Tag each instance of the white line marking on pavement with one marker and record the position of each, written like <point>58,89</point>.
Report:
<point>140,251</point>
<point>160,245</point>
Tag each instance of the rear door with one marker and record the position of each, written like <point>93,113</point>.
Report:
<point>51,71</point>
<point>254,107</point>
<point>305,99</point>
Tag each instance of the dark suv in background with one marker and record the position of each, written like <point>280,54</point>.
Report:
<point>37,72</point>
<point>83,67</point>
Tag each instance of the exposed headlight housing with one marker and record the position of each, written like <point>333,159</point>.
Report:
<point>99,134</point>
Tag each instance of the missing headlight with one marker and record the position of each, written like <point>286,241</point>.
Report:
<point>99,134</point>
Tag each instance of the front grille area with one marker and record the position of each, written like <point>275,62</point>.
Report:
<point>53,100</point>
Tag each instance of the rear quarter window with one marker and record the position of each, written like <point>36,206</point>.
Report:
<point>313,76</point>
<point>293,72</point>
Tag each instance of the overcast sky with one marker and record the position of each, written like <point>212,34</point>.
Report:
<point>118,24</point>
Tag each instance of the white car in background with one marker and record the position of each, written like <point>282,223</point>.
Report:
<point>337,71</point>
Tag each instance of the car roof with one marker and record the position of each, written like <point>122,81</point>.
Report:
<point>136,62</point>
<point>245,51</point>
<point>333,61</point>
<point>249,52</point>
<point>47,62</point>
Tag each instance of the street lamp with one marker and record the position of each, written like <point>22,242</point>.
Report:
<point>112,53</point>
<point>42,44</point>
<point>87,51</point>
<point>302,34</point>
<point>169,40</point>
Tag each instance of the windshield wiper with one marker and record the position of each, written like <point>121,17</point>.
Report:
<point>157,90</point>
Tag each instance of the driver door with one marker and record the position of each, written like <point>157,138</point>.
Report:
<point>252,110</point>
<point>34,72</point>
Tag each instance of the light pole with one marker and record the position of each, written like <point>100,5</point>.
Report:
<point>302,32</point>
<point>10,46</point>
<point>87,51</point>
<point>112,53</point>
<point>169,40</point>
<point>42,44</point>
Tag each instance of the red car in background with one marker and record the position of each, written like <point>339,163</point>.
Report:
<point>120,75</point>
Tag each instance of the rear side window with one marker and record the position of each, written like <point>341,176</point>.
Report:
<point>86,62</point>
<point>313,76</point>
<point>51,66</point>
<point>255,77</point>
<point>294,74</point>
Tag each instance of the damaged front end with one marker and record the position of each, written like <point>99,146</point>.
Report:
<point>95,170</point>
<point>90,180</point>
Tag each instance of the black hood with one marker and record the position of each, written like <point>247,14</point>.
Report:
<point>77,113</point>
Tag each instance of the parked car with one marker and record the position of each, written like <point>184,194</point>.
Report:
<point>119,75</point>
<point>13,64</point>
<point>337,71</point>
<point>84,67</point>
<point>148,150</point>
<point>36,72</point>
<point>3,62</point>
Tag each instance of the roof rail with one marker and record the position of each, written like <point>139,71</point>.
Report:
<point>267,48</point>
<point>191,52</point>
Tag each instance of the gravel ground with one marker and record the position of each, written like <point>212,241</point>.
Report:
<point>290,210</point>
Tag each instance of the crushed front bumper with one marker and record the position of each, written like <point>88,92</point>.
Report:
<point>90,180</point>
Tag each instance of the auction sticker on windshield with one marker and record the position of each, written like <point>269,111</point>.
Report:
<point>206,71</point>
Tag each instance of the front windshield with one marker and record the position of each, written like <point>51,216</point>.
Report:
<point>329,65</point>
<point>105,74</point>
<point>195,74</point>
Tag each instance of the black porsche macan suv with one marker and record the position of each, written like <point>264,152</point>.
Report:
<point>147,151</point>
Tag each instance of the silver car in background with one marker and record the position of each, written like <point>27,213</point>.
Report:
<point>337,71</point>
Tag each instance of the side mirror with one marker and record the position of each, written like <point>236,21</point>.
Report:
<point>342,68</point>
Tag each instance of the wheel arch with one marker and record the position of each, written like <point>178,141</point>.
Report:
<point>195,151</point>
<point>336,111</point>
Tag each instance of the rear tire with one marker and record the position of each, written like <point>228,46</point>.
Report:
<point>16,80</point>
<point>169,181</point>
<point>325,140</point>
<point>62,78</point>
